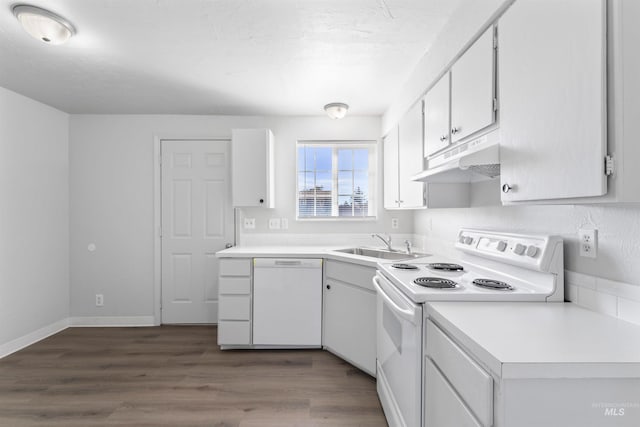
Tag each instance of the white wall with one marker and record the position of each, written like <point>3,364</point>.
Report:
<point>34,216</point>
<point>111,184</point>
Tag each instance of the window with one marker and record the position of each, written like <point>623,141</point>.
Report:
<point>336,179</point>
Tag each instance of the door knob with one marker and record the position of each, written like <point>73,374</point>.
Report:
<point>328,286</point>
<point>455,130</point>
<point>506,188</point>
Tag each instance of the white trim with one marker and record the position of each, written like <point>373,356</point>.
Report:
<point>33,337</point>
<point>157,227</point>
<point>157,216</point>
<point>115,321</point>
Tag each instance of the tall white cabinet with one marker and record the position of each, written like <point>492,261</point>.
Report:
<point>552,62</point>
<point>403,158</point>
<point>252,168</point>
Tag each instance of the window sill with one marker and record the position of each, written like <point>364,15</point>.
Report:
<point>338,218</point>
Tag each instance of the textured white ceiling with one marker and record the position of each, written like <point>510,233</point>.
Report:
<point>256,57</point>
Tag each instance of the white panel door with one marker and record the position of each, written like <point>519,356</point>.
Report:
<point>472,88</point>
<point>436,116</point>
<point>390,159</point>
<point>552,99</point>
<point>197,221</point>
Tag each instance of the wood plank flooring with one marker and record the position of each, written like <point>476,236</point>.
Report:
<point>177,376</point>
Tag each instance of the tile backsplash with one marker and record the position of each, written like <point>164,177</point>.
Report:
<point>617,299</point>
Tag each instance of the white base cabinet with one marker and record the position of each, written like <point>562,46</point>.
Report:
<point>349,319</point>
<point>234,307</point>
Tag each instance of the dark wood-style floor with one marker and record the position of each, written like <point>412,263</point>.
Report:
<point>177,376</point>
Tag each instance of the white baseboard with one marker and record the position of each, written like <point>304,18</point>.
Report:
<point>114,321</point>
<point>33,337</point>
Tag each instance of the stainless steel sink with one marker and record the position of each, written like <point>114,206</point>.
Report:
<point>379,253</point>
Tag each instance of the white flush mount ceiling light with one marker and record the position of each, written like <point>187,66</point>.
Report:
<point>336,110</point>
<point>43,25</point>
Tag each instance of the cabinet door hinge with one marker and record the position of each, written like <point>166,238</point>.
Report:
<point>495,104</point>
<point>608,165</point>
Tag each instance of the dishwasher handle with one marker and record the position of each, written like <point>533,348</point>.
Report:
<point>260,263</point>
<point>409,314</point>
<point>285,262</point>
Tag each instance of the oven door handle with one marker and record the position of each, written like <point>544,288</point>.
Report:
<point>407,314</point>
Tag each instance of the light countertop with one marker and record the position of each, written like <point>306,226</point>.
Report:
<point>327,252</point>
<point>544,340</point>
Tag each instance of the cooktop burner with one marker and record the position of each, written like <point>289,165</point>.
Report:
<point>435,282</point>
<point>445,266</point>
<point>493,284</point>
<point>402,266</point>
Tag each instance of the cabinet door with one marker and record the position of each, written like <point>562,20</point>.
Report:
<point>410,158</point>
<point>252,167</point>
<point>436,116</point>
<point>473,88</point>
<point>350,324</point>
<point>390,159</point>
<point>552,99</point>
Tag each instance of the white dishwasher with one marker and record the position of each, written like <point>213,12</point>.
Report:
<point>287,302</point>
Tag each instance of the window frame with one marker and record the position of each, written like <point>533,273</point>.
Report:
<point>371,146</point>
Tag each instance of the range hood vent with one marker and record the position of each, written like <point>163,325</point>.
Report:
<point>471,161</point>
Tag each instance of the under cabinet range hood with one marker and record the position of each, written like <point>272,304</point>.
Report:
<point>474,160</point>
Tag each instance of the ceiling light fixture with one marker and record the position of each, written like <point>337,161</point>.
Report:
<point>336,110</point>
<point>43,25</point>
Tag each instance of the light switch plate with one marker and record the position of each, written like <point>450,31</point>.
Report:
<point>274,223</point>
<point>395,223</point>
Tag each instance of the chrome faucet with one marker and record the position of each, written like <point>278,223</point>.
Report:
<point>386,241</point>
<point>408,245</point>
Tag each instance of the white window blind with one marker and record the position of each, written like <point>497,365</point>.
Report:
<point>336,179</point>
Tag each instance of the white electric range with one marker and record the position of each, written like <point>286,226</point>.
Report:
<point>489,266</point>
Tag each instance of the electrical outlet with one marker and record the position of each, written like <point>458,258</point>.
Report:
<point>588,241</point>
<point>99,300</point>
<point>284,223</point>
<point>395,223</point>
<point>274,223</point>
<point>249,223</point>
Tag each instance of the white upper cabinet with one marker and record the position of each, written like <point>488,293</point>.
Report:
<point>552,84</point>
<point>403,158</point>
<point>473,88</point>
<point>252,168</point>
<point>411,158</point>
<point>390,158</point>
<point>436,116</point>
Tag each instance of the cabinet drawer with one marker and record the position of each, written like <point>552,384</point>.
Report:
<point>235,267</point>
<point>234,307</point>
<point>471,382</point>
<point>235,285</point>
<point>350,273</point>
<point>234,332</point>
<point>442,406</point>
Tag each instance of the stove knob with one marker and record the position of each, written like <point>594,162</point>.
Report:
<point>532,251</point>
<point>502,245</point>
<point>461,239</point>
<point>519,249</point>
<point>468,240</point>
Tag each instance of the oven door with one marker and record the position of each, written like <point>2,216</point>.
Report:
<point>399,354</point>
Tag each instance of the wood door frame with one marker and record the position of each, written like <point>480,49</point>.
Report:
<point>157,213</point>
